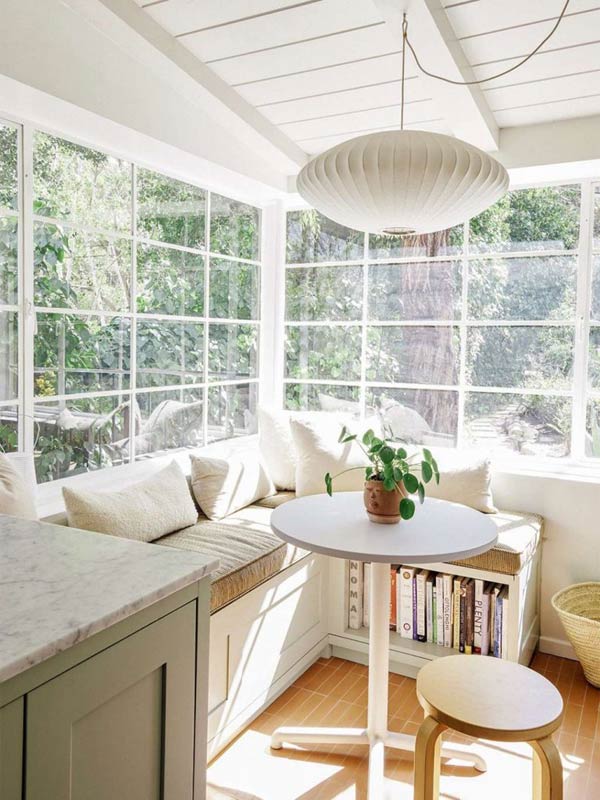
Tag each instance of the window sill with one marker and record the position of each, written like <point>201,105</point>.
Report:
<point>566,470</point>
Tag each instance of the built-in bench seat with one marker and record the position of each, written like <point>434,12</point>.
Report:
<point>248,550</point>
<point>250,553</point>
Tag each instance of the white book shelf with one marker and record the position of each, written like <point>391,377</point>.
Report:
<point>407,656</point>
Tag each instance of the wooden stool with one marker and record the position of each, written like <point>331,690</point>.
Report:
<point>490,699</point>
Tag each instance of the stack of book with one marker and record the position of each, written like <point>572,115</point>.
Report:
<point>467,614</point>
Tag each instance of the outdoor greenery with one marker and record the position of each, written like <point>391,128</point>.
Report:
<point>505,275</point>
<point>90,328</point>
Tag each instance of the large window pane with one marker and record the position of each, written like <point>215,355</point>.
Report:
<point>532,288</point>
<point>427,354</point>
<point>80,436</point>
<point>9,260</point>
<point>594,358</point>
<point>232,411</point>
<point>592,432</point>
<point>520,357</point>
<point>597,217</point>
<point>311,237</point>
<point>169,281</point>
<point>595,298</point>
<point>169,353</point>
<point>9,171</point>
<point>232,351</point>
<point>426,290</point>
<point>441,243</point>
<point>9,428</point>
<point>74,354</point>
<point>83,186</point>
<point>529,219</point>
<point>324,293</point>
<point>169,210</point>
<point>234,290</point>
<point>9,355</point>
<point>79,270</point>
<point>234,228</point>
<point>420,416</point>
<point>323,353</point>
<point>169,420</point>
<point>523,424</point>
<point>322,397</point>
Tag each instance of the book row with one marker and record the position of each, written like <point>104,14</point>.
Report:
<point>467,614</point>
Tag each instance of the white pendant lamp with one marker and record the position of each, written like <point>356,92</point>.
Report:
<point>402,182</point>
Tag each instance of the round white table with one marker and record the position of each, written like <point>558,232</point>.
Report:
<point>338,526</point>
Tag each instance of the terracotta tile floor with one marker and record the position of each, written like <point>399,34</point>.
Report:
<point>334,692</point>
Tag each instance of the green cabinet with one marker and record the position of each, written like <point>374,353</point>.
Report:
<point>121,723</point>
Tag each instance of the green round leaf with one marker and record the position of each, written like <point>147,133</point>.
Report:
<point>407,508</point>
<point>426,471</point>
<point>368,437</point>
<point>401,452</point>
<point>411,482</point>
<point>389,485</point>
<point>427,455</point>
<point>421,493</point>
<point>387,454</point>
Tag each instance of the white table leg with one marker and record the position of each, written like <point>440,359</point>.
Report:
<point>376,733</point>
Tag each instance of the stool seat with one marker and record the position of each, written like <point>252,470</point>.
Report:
<point>489,698</point>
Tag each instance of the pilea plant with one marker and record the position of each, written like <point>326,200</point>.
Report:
<point>394,467</point>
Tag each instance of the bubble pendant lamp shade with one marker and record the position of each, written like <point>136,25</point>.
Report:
<point>402,182</point>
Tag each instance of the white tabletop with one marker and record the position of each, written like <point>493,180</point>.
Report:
<point>339,526</point>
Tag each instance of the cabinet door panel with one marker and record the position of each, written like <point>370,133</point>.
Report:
<point>121,724</point>
<point>11,750</point>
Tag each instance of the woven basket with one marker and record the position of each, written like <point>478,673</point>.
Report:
<point>578,607</point>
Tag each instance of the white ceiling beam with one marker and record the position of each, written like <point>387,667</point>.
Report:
<point>558,142</point>
<point>131,27</point>
<point>464,108</point>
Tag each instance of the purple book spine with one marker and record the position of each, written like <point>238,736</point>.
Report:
<point>414,599</point>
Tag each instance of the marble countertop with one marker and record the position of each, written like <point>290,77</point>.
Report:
<point>59,586</point>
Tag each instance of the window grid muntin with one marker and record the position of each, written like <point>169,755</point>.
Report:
<point>27,399</point>
<point>464,322</point>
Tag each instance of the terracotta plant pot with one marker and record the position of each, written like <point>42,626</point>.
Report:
<point>382,506</point>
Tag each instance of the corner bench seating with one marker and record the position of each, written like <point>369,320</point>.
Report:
<point>276,608</point>
<point>250,553</point>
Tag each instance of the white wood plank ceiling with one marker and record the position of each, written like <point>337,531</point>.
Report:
<point>325,70</point>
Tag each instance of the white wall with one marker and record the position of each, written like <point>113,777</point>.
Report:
<point>571,549</point>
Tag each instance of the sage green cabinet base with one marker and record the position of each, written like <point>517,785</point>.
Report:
<point>122,724</point>
<point>11,750</point>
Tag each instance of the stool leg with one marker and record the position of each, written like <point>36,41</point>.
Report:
<point>427,760</point>
<point>547,770</point>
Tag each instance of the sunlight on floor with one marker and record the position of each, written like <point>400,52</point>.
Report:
<point>333,692</point>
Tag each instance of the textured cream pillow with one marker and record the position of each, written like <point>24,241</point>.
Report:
<point>465,477</point>
<point>144,511</point>
<point>318,451</point>
<point>15,497</point>
<point>223,486</point>
<point>276,442</point>
<point>277,447</point>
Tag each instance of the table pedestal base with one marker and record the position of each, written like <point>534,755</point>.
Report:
<point>376,734</point>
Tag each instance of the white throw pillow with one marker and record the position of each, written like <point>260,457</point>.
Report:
<point>222,487</point>
<point>144,511</point>
<point>16,497</point>
<point>277,447</point>
<point>318,452</point>
<point>465,477</point>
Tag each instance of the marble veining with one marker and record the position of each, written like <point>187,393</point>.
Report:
<point>59,586</point>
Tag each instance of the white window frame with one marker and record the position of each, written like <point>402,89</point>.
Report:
<point>27,311</point>
<point>576,461</point>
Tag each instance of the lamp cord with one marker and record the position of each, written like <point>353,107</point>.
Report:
<point>406,42</point>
